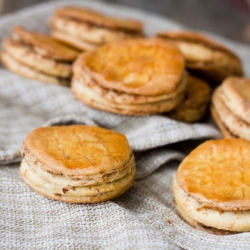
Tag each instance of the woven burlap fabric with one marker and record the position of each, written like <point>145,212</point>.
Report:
<point>144,217</point>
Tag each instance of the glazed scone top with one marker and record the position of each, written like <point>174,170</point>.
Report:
<point>136,66</point>
<point>96,18</point>
<point>45,45</point>
<point>192,37</point>
<point>217,174</point>
<point>77,149</point>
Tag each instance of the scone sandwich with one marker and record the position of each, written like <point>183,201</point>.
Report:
<point>86,29</point>
<point>37,56</point>
<point>77,164</point>
<point>204,56</point>
<point>212,187</point>
<point>131,77</point>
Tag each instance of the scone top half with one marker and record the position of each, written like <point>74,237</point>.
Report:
<point>205,56</point>
<point>212,186</point>
<point>43,44</point>
<point>77,151</point>
<point>147,67</point>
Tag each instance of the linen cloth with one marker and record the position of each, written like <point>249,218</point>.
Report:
<point>144,217</point>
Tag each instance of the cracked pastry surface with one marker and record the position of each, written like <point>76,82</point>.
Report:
<point>77,163</point>
<point>211,186</point>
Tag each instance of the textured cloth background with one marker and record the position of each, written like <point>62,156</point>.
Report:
<point>144,217</point>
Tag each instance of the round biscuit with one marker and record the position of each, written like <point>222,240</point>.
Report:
<point>88,33</point>
<point>27,56</point>
<point>135,66</point>
<point>205,56</point>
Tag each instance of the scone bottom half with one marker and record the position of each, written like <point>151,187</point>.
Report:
<point>78,163</point>
<point>212,187</point>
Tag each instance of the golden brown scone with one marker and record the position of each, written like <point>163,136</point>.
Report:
<point>204,56</point>
<point>37,56</point>
<point>136,66</point>
<point>45,45</point>
<point>80,27</point>
<point>131,77</point>
<point>211,186</point>
<point>30,58</point>
<point>194,106</point>
<point>235,93</point>
<point>98,19</point>
<point>231,121</point>
<point>77,164</point>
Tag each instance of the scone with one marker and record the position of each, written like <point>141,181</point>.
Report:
<point>204,56</point>
<point>212,187</point>
<point>194,107</point>
<point>37,56</point>
<point>78,163</point>
<point>231,107</point>
<point>85,29</point>
<point>131,77</point>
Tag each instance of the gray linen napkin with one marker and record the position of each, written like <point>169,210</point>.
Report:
<point>144,217</point>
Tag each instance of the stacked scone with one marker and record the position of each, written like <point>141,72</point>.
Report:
<point>196,101</point>
<point>77,164</point>
<point>231,107</point>
<point>86,29</point>
<point>212,187</point>
<point>37,56</point>
<point>131,77</point>
<point>205,57</point>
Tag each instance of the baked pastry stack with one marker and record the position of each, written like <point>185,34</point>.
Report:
<point>86,29</point>
<point>231,107</point>
<point>77,164</point>
<point>204,56</point>
<point>212,187</point>
<point>131,77</point>
<point>196,101</point>
<point>37,56</point>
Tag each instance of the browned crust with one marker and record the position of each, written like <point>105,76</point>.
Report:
<point>99,19</point>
